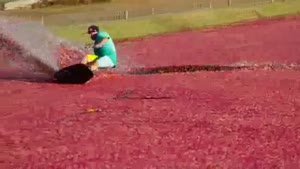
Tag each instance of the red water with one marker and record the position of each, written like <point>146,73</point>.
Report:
<point>257,42</point>
<point>236,119</point>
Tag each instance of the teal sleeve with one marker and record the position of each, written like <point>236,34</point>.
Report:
<point>103,35</point>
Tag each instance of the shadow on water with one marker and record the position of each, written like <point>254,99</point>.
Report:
<point>211,68</point>
<point>46,78</point>
<point>37,77</point>
<point>184,69</point>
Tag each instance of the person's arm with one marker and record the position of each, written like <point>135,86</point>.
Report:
<point>100,44</point>
<point>104,36</point>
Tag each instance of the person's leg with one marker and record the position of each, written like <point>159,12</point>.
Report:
<point>84,60</point>
<point>94,66</point>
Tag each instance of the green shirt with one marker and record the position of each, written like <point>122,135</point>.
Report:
<point>108,49</point>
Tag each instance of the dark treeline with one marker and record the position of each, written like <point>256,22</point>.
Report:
<point>45,3</point>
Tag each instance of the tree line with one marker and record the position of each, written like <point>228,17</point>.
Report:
<point>44,3</point>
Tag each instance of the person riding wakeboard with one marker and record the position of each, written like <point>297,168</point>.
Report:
<point>105,54</point>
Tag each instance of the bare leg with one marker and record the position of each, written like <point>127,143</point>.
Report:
<point>84,60</point>
<point>94,66</point>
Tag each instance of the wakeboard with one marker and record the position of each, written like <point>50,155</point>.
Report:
<point>74,74</point>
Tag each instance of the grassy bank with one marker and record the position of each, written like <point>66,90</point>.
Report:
<point>181,21</point>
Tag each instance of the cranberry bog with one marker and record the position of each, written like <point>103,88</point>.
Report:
<point>235,104</point>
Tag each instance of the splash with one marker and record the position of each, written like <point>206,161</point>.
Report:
<point>28,46</point>
<point>35,42</point>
